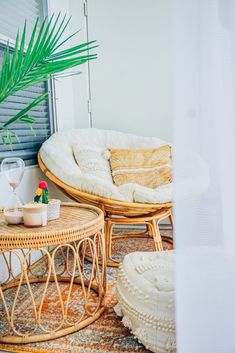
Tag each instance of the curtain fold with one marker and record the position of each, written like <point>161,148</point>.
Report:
<point>204,140</point>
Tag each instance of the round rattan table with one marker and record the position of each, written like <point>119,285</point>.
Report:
<point>62,246</point>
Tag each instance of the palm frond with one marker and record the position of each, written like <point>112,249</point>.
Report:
<point>43,57</point>
<point>22,113</point>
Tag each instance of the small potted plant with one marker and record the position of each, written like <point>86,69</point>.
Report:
<point>53,205</point>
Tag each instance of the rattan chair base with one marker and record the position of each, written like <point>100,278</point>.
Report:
<point>152,231</point>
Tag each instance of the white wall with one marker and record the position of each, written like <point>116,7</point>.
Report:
<point>130,80</point>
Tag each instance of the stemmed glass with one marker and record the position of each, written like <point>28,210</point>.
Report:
<point>13,169</point>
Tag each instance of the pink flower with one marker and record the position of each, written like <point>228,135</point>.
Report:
<point>42,185</point>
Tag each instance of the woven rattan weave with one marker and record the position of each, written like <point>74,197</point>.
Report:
<point>79,228</point>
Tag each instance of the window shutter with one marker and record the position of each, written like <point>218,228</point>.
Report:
<point>27,142</point>
<point>13,13</point>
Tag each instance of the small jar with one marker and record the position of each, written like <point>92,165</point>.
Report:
<point>35,215</point>
<point>13,216</point>
<point>53,209</point>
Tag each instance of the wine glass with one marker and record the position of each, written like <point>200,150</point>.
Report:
<point>13,169</point>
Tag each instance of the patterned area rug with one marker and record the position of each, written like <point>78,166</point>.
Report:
<point>106,335</point>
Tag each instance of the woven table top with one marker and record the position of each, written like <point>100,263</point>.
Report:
<point>76,222</point>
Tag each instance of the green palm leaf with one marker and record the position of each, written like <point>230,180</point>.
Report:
<point>42,58</point>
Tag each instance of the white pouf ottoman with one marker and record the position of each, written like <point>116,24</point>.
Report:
<point>145,292</point>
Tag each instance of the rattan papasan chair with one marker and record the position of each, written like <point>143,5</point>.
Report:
<point>126,204</point>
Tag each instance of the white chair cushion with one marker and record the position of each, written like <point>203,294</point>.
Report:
<point>159,195</point>
<point>57,155</point>
<point>145,292</point>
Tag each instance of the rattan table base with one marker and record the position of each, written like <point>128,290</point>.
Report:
<point>79,229</point>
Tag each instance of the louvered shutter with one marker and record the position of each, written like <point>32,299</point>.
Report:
<point>13,13</point>
<point>26,144</point>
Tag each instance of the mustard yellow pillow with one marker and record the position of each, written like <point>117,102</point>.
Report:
<point>148,167</point>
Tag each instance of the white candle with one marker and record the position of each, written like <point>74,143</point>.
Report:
<point>35,215</point>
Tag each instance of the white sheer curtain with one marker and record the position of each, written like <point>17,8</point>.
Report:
<point>204,107</point>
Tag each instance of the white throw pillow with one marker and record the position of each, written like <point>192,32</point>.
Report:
<point>93,161</point>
